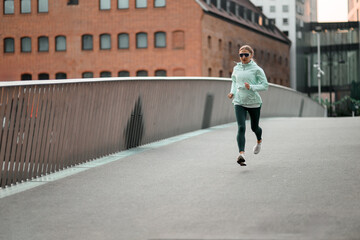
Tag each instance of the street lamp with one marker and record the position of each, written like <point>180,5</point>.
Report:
<point>318,65</point>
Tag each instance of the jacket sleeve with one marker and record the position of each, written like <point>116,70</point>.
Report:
<point>233,84</point>
<point>262,82</point>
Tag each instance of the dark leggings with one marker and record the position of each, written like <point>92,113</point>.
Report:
<point>240,113</point>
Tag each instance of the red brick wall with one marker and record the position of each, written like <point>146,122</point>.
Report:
<point>222,58</point>
<point>73,21</point>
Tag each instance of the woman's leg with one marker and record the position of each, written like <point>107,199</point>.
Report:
<point>240,114</point>
<point>255,117</point>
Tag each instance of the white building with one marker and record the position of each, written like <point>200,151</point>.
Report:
<point>289,16</point>
<point>354,7</point>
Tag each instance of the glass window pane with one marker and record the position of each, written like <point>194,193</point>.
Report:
<point>159,3</point>
<point>141,3</point>
<point>160,39</point>
<point>9,7</point>
<point>105,74</point>
<point>124,74</point>
<point>160,73</point>
<point>26,76</point>
<point>43,6</point>
<point>87,42</point>
<point>43,44</point>
<point>123,4</point>
<point>26,44</point>
<point>87,75</point>
<point>25,6</point>
<point>60,43</point>
<point>44,76</point>
<point>60,76</point>
<point>105,4</point>
<point>105,41</point>
<point>123,41</point>
<point>141,40</point>
<point>141,73</point>
<point>9,46</point>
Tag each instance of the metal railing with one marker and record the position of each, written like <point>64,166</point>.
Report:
<point>51,125</point>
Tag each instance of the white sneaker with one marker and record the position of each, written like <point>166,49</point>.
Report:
<point>257,148</point>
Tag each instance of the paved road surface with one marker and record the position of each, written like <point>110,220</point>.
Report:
<point>305,184</point>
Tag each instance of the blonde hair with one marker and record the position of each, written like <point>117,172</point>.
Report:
<point>248,48</point>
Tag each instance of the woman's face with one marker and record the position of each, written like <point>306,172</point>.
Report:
<point>245,56</point>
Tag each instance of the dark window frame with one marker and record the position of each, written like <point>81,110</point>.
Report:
<point>57,38</point>
<point>156,34</point>
<point>101,41</point>
<point>5,44</point>
<point>128,40</point>
<point>43,37</point>
<point>83,42</point>
<point>22,47</point>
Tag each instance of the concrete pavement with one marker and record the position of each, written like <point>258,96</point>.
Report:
<point>303,185</point>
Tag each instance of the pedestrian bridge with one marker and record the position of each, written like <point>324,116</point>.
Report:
<point>155,158</point>
<point>52,125</point>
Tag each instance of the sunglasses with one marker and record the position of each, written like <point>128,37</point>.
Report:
<point>244,55</point>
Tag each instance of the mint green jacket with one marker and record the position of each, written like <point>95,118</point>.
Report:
<point>252,74</point>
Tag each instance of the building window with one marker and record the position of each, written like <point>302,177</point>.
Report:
<point>209,72</point>
<point>285,8</point>
<point>123,4</point>
<point>60,75</point>
<point>43,6</point>
<point>105,74</point>
<point>272,9</point>
<point>178,39</point>
<point>285,21</point>
<point>25,44</point>
<point>160,73</point>
<point>105,41</point>
<point>87,75</point>
<point>159,3</point>
<point>141,40</point>
<point>87,42</point>
<point>141,4</point>
<point>60,43</point>
<point>26,77</point>
<point>123,74</point>
<point>44,76</point>
<point>25,6</point>
<point>220,44</point>
<point>73,2</point>
<point>286,33</point>
<point>230,47</point>
<point>105,4</point>
<point>123,41</point>
<point>209,42</point>
<point>43,44</point>
<point>142,73</point>
<point>8,6</point>
<point>9,45</point>
<point>160,39</point>
<point>221,73</point>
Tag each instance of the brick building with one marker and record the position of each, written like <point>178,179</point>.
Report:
<point>42,39</point>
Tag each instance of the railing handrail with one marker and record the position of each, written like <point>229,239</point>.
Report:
<point>107,79</point>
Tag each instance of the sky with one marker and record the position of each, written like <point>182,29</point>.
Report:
<point>332,11</point>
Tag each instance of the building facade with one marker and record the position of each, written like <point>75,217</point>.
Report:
<point>353,10</point>
<point>42,39</point>
<point>340,61</point>
<point>290,16</point>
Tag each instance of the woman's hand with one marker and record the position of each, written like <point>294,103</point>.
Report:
<point>230,95</point>
<point>247,85</point>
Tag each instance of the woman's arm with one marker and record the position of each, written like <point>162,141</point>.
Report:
<point>261,79</point>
